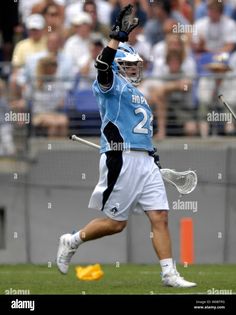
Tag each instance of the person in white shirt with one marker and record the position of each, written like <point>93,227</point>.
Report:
<point>65,69</point>
<point>215,32</point>
<point>78,45</point>
<point>104,11</point>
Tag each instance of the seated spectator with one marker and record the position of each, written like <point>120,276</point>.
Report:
<point>65,69</point>
<point>159,49</point>
<point>42,6</point>
<point>182,9</point>
<point>201,9</point>
<point>171,98</point>
<point>54,18</point>
<point>211,113</point>
<point>7,146</point>
<point>81,105</point>
<point>138,41</point>
<point>25,9</point>
<point>99,28</point>
<point>172,42</point>
<point>87,73</point>
<point>36,42</point>
<point>74,8</point>
<point>216,32</point>
<point>77,45</point>
<point>162,11</point>
<point>48,99</point>
<point>159,53</point>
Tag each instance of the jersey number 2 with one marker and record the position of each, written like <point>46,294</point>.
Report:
<point>140,126</point>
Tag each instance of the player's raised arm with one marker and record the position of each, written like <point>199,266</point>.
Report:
<point>125,23</point>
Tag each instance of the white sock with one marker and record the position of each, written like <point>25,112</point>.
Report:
<point>76,240</point>
<point>166,265</point>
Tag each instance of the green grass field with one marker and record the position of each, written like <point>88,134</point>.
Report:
<point>127,279</point>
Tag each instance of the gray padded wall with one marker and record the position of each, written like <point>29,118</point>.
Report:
<point>69,209</point>
<point>57,177</point>
<point>230,215</point>
<point>69,212</point>
<point>12,200</point>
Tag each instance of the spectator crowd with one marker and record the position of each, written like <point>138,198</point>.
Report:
<point>188,48</point>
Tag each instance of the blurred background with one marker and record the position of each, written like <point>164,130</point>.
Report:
<point>47,53</point>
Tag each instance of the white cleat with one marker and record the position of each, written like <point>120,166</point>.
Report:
<point>64,253</point>
<point>173,279</point>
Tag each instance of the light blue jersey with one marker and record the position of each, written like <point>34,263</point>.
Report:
<point>126,116</point>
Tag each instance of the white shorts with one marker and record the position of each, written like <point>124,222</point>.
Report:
<point>129,181</point>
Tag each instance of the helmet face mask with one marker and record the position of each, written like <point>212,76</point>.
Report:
<point>129,64</point>
<point>132,71</point>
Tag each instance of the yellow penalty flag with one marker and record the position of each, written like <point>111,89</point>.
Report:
<point>91,272</point>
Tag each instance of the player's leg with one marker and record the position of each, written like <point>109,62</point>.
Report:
<point>155,204</point>
<point>100,227</point>
<point>161,236</point>
<point>118,170</point>
<point>95,229</point>
<point>162,244</point>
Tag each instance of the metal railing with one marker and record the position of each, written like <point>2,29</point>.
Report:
<point>65,97</point>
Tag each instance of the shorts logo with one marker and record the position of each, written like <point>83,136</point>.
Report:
<point>114,210</point>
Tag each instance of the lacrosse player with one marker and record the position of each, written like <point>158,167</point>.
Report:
<point>129,177</point>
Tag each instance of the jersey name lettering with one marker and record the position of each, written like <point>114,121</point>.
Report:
<point>138,99</point>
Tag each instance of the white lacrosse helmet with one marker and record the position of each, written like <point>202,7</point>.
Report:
<point>128,63</point>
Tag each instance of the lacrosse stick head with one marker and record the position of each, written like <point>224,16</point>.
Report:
<point>185,182</point>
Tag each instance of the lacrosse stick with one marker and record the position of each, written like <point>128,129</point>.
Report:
<point>221,97</point>
<point>185,182</point>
